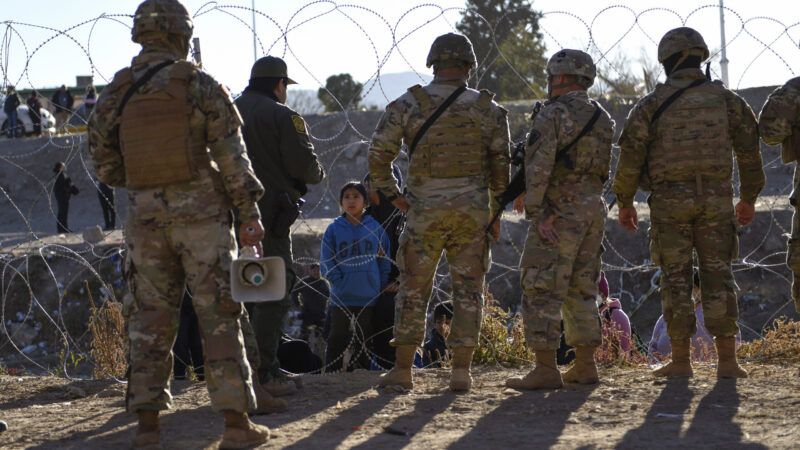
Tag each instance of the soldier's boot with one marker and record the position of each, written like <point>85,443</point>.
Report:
<point>727,366</point>
<point>400,375</point>
<point>266,403</point>
<point>681,365</point>
<point>460,379</point>
<point>280,387</point>
<point>544,376</point>
<point>584,371</point>
<point>148,433</point>
<point>240,432</point>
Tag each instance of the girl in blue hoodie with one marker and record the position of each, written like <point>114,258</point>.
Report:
<point>355,259</point>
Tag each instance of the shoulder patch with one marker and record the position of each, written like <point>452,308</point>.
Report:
<point>299,124</point>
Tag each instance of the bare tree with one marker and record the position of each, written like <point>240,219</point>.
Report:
<point>304,101</point>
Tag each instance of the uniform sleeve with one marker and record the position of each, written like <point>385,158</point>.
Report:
<point>633,154</point>
<point>385,147</point>
<point>499,159</point>
<point>540,157</point>
<point>297,151</point>
<point>744,133</point>
<point>779,115</point>
<point>103,141</point>
<point>224,135</point>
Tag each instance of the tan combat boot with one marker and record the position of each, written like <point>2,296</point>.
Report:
<point>681,365</point>
<point>544,376</point>
<point>266,403</point>
<point>241,433</point>
<point>400,375</point>
<point>727,366</point>
<point>584,371</point>
<point>460,379</point>
<point>148,431</point>
<point>280,387</point>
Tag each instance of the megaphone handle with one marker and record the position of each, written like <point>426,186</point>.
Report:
<point>251,251</point>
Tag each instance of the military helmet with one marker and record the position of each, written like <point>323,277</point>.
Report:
<point>572,62</point>
<point>161,16</point>
<point>680,40</point>
<point>451,47</point>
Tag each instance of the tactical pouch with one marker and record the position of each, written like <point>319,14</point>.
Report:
<point>155,135</point>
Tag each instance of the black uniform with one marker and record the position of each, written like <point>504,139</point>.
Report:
<point>284,161</point>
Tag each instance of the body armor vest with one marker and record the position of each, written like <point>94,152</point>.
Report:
<point>591,155</point>
<point>155,135</point>
<point>454,145</point>
<point>692,138</point>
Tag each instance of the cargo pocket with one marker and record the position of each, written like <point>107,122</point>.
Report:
<point>734,240</point>
<point>226,249</point>
<point>655,245</point>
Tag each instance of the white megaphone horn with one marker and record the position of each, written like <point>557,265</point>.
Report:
<point>255,279</point>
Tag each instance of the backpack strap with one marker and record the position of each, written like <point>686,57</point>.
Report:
<point>434,117</point>
<point>561,154</point>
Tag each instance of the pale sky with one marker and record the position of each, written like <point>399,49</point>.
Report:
<point>356,36</point>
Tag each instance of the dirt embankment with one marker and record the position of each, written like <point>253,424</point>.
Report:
<point>627,410</point>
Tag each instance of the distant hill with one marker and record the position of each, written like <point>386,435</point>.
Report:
<point>390,86</point>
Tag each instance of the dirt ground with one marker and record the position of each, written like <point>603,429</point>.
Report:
<point>629,409</point>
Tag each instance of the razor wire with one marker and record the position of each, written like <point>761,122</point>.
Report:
<point>35,259</point>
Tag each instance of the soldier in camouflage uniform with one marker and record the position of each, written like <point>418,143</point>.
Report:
<point>454,172</point>
<point>677,144</point>
<point>176,145</point>
<point>779,123</point>
<point>566,165</point>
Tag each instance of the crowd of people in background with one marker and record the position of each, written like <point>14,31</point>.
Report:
<point>62,104</point>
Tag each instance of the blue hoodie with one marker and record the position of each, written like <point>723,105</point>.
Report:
<point>355,259</point>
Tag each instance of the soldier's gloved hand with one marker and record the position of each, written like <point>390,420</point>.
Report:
<point>745,212</point>
<point>401,203</point>
<point>547,229</point>
<point>496,231</point>
<point>251,233</point>
<point>628,218</point>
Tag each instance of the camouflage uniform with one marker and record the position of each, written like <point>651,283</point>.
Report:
<point>178,232</point>
<point>779,123</point>
<point>685,158</point>
<point>458,166</point>
<point>562,279</point>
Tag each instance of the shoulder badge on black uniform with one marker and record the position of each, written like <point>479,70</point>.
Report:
<point>299,124</point>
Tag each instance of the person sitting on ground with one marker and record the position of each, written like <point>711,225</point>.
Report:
<point>702,343</point>
<point>434,351</point>
<point>311,295</point>
<point>354,259</point>
<point>616,326</point>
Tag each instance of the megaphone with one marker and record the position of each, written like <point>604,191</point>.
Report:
<point>255,279</point>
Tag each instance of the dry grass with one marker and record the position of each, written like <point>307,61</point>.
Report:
<point>781,344</point>
<point>497,344</point>
<point>109,339</point>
